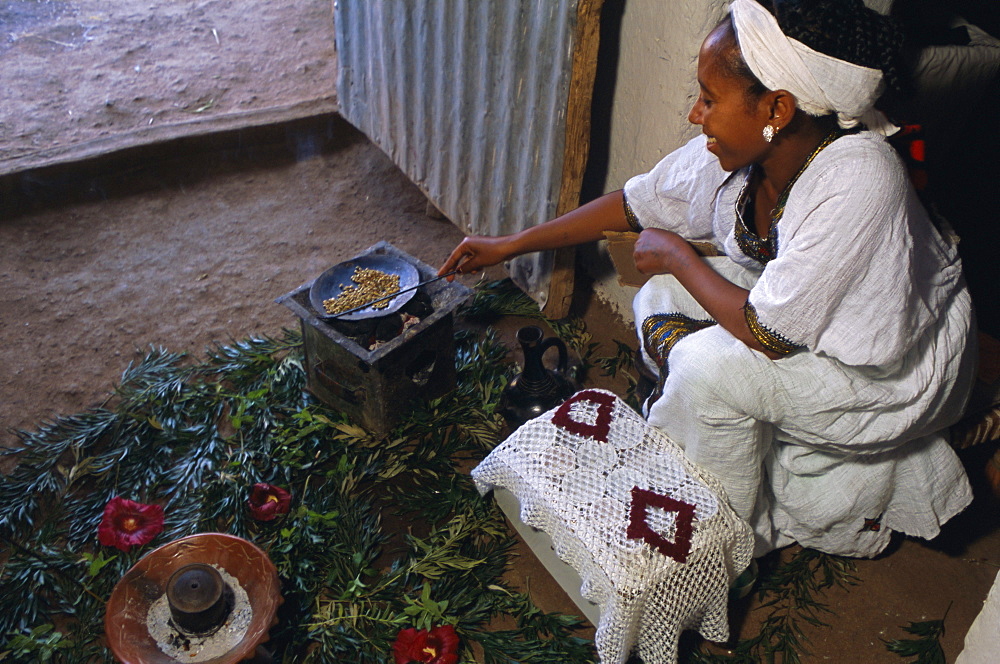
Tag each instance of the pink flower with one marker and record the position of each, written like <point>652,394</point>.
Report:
<point>419,646</point>
<point>268,501</point>
<point>127,523</point>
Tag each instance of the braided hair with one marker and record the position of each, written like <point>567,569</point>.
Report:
<point>843,29</point>
<point>846,30</point>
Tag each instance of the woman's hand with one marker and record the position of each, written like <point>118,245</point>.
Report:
<point>476,252</point>
<point>586,223</point>
<point>662,252</point>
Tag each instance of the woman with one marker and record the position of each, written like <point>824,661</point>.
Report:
<point>814,367</point>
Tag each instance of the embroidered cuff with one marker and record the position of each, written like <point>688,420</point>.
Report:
<point>660,333</point>
<point>630,217</point>
<point>770,340</point>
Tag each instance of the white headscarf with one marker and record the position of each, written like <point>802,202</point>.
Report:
<point>820,84</point>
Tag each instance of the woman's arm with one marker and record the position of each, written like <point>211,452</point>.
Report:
<point>664,252</point>
<point>586,223</point>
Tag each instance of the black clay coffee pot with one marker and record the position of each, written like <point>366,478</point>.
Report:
<point>536,389</point>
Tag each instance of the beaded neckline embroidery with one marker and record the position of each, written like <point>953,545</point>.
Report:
<point>761,249</point>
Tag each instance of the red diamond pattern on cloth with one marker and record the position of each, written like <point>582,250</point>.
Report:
<point>598,430</point>
<point>638,526</point>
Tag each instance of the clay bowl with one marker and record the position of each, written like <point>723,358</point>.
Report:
<point>130,602</point>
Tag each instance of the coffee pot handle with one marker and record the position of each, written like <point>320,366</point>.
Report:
<point>563,355</point>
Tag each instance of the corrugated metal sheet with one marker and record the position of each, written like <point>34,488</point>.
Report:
<point>468,97</point>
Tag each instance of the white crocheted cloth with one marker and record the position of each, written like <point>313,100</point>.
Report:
<point>650,535</point>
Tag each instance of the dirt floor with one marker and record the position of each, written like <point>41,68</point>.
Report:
<point>84,77</point>
<point>185,238</point>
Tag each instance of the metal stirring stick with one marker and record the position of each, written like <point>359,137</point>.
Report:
<point>387,297</point>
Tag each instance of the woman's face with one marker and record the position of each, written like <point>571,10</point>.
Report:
<point>732,123</point>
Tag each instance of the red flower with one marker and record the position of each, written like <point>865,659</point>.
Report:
<point>127,523</point>
<point>418,646</point>
<point>268,501</point>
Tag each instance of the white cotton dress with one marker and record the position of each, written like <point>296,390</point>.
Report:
<point>838,444</point>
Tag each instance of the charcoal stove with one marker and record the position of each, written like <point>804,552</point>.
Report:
<point>371,370</point>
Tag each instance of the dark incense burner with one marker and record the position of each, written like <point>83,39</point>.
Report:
<point>199,599</point>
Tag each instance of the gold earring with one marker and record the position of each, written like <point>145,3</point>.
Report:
<point>769,133</point>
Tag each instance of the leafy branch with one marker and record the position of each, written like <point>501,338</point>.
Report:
<point>927,647</point>
<point>195,436</point>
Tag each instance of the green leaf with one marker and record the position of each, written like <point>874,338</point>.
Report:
<point>96,563</point>
<point>927,648</point>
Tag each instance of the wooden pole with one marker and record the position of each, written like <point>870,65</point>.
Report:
<point>581,91</point>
